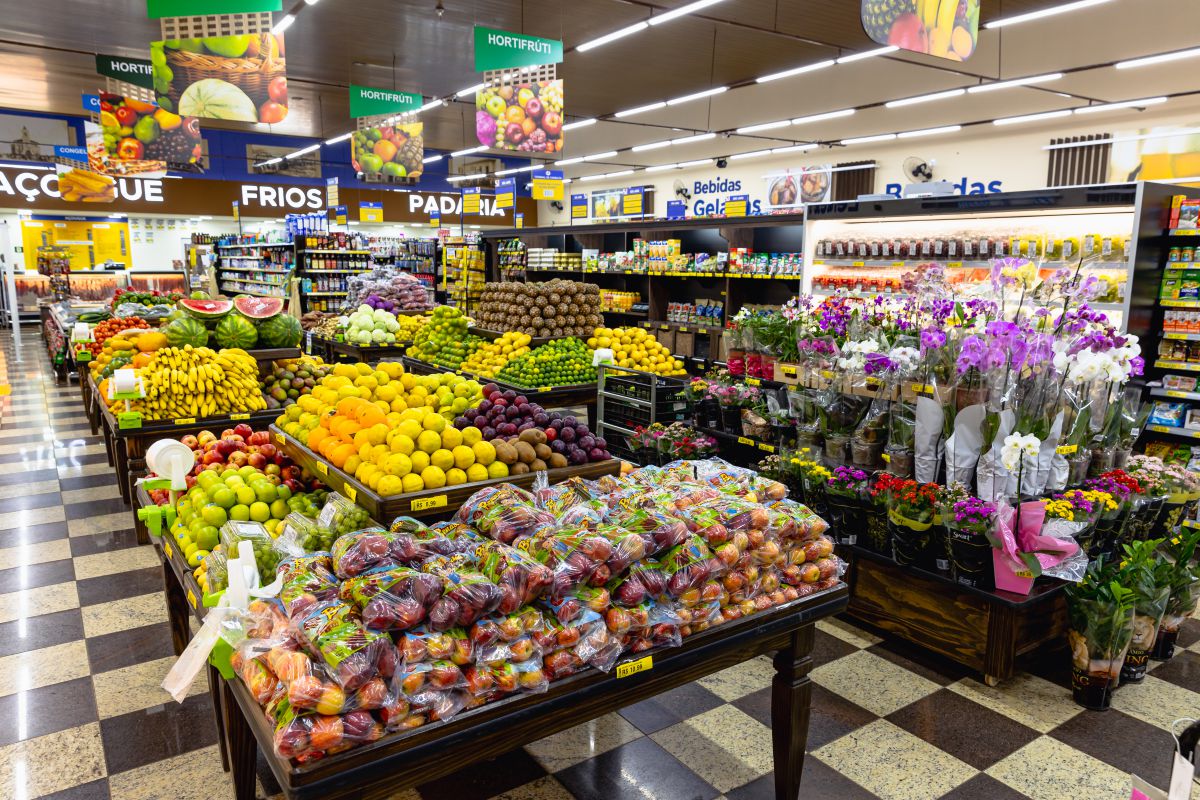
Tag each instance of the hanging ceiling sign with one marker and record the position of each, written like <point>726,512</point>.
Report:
<point>368,102</point>
<point>943,28</point>
<point>506,192</point>
<point>137,71</point>
<point>579,206</point>
<point>370,211</point>
<point>495,49</point>
<point>547,184</point>
<point>157,9</point>
<point>471,200</point>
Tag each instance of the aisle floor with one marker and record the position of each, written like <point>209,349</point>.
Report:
<point>84,645</point>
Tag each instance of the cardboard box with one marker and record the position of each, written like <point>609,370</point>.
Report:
<point>685,344</point>
<point>666,337</point>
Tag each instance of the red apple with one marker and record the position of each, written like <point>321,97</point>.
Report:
<point>552,123</point>
<point>273,470</point>
<point>256,460</point>
<point>237,459</point>
<point>277,89</point>
<point>243,430</point>
<point>909,33</point>
<point>268,450</point>
<point>191,441</point>
<point>258,437</point>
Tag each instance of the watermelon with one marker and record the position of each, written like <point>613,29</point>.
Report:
<point>281,330</point>
<point>186,331</point>
<point>236,331</point>
<point>258,308</point>
<point>206,310</point>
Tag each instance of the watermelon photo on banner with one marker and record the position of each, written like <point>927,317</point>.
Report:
<point>239,78</point>
<point>943,28</point>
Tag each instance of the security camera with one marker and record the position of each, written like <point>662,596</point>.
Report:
<point>722,163</point>
<point>440,9</point>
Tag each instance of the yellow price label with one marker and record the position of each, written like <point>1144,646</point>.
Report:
<point>744,440</point>
<point>239,416</point>
<point>766,447</point>
<point>351,493</point>
<point>186,421</point>
<point>191,596</point>
<point>167,549</point>
<point>643,664</point>
<point>954,264</point>
<point>1180,395</point>
<point>827,374</point>
<point>787,369</point>
<point>887,458</point>
<point>701,330</point>
<point>858,264</point>
<point>754,381</point>
<point>545,388</point>
<point>922,388</point>
<point>322,468</point>
<point>664,327</point>
<point>279,438</point>
<point>421,504</point>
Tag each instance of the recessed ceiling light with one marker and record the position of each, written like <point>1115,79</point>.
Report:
<point>641,148</point>
<point>468,151</point>
<point>697,163</point>
<point>683,11</point>
<point>431,159</point>
<point>795,148</point>
<point>599,156</point>
<point>662,168</point>
<point>924,98</point>
<point>565,162</point>
<point>881,51</point>
<point>341,138</point>
<point>700,137</point>
<point>284,23</point>
<point>470,90</point>
<point>753,154</point>
<point>582,123</point>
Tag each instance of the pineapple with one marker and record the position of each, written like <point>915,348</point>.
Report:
<point>878,16</point>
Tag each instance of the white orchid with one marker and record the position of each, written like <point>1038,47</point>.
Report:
<point>853,357</point>
<point>1017,446</point>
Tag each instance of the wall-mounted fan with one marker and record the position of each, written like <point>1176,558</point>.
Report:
<point>681,190</point>
<point>918,169</point>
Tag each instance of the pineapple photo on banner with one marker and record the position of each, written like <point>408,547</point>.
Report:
<point>942,28</point>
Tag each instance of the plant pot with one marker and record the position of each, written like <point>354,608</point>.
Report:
<point>815,497</point>
<point>971,559</point>
<point>1108,532</point>
<point>1086,538</point>
<point>707,414</point>
<point>735,361</point>
<point>1169,517</point>
<point>866,455</point>
<point>969,396</point>
<point>910,541</point>
<point>877,538</point>
<point>755,427</point>
<point>1143,520</point>
<point>1121,457</point>
<point>900,463</point>
<point>1164,644</point>
<point>784,435</point>
<point>808,438</point>
<point>845,517</point>
<point>1102,461</point>
<point>837,448</point>
<point>1077,467</point>
<point>1097,651</point>
<point>1145,637</point>
<point>939,547</point>
<point>731,419</point>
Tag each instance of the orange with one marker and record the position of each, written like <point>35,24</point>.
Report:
<point>528,126</point>
<point>514,114</point>
<point>316,436</point>
<point>340,454</point>
<point>385,150</point>
<point>328,445</point>
<point>369,415</point>
<point>347,406</point>
<point>327,421</point>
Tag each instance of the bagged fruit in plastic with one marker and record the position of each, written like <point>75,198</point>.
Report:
<point>647,626</point>
<point>342,515</point>
<point>372,548</point>
<point>521,578</point>
<point>267,550</point>
<point>308,735</point>
<point>392,598</point>
<point>434,690</point>
<point>462,538</point>
<point>260,681</point>
<point>508,638</point>
<point>503,513</point>
<point>333,633</point>
<point>466,595</point>
<point>659,531</point>
<point>738,480</point>
<point>646,580</point>
<point>796,520</point>
<point>688,566</point>
<point>567,649</point>
<point>217,571</point>
<point>423,644</point>
<point>579,600</point>
<point>307,580</point>
<point>306,534</point>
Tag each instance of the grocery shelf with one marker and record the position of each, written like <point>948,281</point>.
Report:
<point>1174,393</point>
<point>1180,365</point>
<point>311,271</point>
<point>1179,303</point>
<point>251,269</point>
<point>339,252</point>
<point>320,294</point>
<point>1187,232</point>
<point>1187,337</point>
<point>255,294</point>
<point>1174,431</point>
<point>260,283</point>
<point>253,244</point>
<point>964,264</point>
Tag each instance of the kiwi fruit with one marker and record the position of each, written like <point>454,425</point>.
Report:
<point>519,468</point>
<point>525,452</point>
<point>557,460</point>
<point>542,451</point>
<point>538,465</point>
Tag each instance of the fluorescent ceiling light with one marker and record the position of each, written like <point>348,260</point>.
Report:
<point>929,131</point>
<point>598,156</point>
<point>1148,101</point>
<point>431,159</point>
<point>284,23</point>
<point>473,227</point>
<point>1066,112</point>
<point>513,171</point>
<point>612,37</point>
<point>796,148</point>
<point>305,150</point>
<point>1161,58</point>
<point>697,163</point>
<point>454,178</point>
<point>312,2</point>
<point>341,138</point>
<point>700,137</point>
<point>582,123</point>
<point>629,112</point>
<point>765,126</point>
<point>1045,12</point>
<point>697,95</point>
<point>641,148</point>
<point>470,90</point>
<point>925,98</point>
<point>661,168</point>
<point>880,51</point>
<point>845,112</point>
<point>754,154</point>
<point>568,161</point>
<point>882,137</point>
<point>619,173</point>
<point>269,162</point>
<point>683,11</point>
<point>468,151</point>
<point>431,104</point>
<point>788,73</point>
<point>992,87</point>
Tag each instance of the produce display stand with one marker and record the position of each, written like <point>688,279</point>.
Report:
<point>129,445</point>
<point>401,760</point>
<point>987,631</point>
<point>534,341</point>
<point>427,502</point>
<point>269,354</point>
<point>334,351</point>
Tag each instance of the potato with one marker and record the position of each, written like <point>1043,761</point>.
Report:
<point>542,451</point>
<point>538,465</point>
<point>557,460</point>
<point>525,452</point>
<point>518,469</point>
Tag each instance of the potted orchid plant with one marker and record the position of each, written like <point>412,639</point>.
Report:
<point>969,522</point>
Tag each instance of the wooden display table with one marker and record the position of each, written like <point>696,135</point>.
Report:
<point>335,351</point>
<point>987,631</point>
<point>428,502</point>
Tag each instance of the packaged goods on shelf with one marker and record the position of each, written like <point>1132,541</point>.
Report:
<point>614,300</point>
<point>701,312</point>
<point>1181,256</point>
<point>546,258</point>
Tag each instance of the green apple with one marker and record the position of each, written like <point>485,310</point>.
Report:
<point>228,46</point>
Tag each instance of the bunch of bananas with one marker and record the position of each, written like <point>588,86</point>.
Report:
<point>199,382</point>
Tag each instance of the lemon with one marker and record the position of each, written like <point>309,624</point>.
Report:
<point>442,459</point>
<point>412,482</point>
<point>390,484</point>
<point>433,477</point>
<point>397,464</point>
<point>485,453</point>
<point>454,477</point>
<point>497,469</point>
<point>471,436</point>
<point>476,473</point>
<point>463,456</point>
<point>451,437</point>
<point>420,460</point>
<point>434,422</point>
<point>410,428</point>
<point>402,444</point>
<point>429,441</point>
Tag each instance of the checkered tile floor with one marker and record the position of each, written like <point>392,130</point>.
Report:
<point>84,644</point>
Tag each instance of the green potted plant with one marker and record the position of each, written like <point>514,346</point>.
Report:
<point>1184,577</point>
<point>1149,576</point>
<point>1100,619</point>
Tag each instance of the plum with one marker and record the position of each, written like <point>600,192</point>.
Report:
<point>569,421</point>
<point>480,421</point>
<point>577,457</point>
<point>541,419</point>
<point>483,407</point>
<point>512,412</point>
<point>488,432</point>
<point>558,446</point>
<point>461,422</point>
<point>587,441</point>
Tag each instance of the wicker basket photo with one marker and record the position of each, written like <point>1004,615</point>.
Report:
<point>251,75</point>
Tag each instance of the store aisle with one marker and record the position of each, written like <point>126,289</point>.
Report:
<point>84,644</point>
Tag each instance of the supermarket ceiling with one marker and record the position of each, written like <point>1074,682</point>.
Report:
<point>46,60</point>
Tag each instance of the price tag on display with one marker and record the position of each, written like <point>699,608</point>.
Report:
<point>191,596</point>
<point>506,192</point>
<point>127,420</point>
<point>518,220</point>
<point>279,438</point>
<point>186,421</point>
<point>766,447</point>
<point>350,493</point>
<point>322,468</point>
<point>239,416</point>
<point>167,549</point>
<point>643,664</point>
<point>424,503</point>
<point>754,381</point>
<point>746,441</point>
<point>787,369</point>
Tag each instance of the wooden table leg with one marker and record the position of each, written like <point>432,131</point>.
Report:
<point>791,698</point>
<point>214,691</point>
<point>177,610</point>
<point>999,657</point>
<point>124,478</point>
<point>243,749</point>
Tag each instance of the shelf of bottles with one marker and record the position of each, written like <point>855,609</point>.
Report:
<point>254,264</point>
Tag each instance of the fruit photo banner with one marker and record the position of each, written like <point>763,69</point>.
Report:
<point>523,113</point>
<point>131,137</point>
<point>943,28</point>
<point>76,180</point>
<point>389,149</point>
<point>238,77</point>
